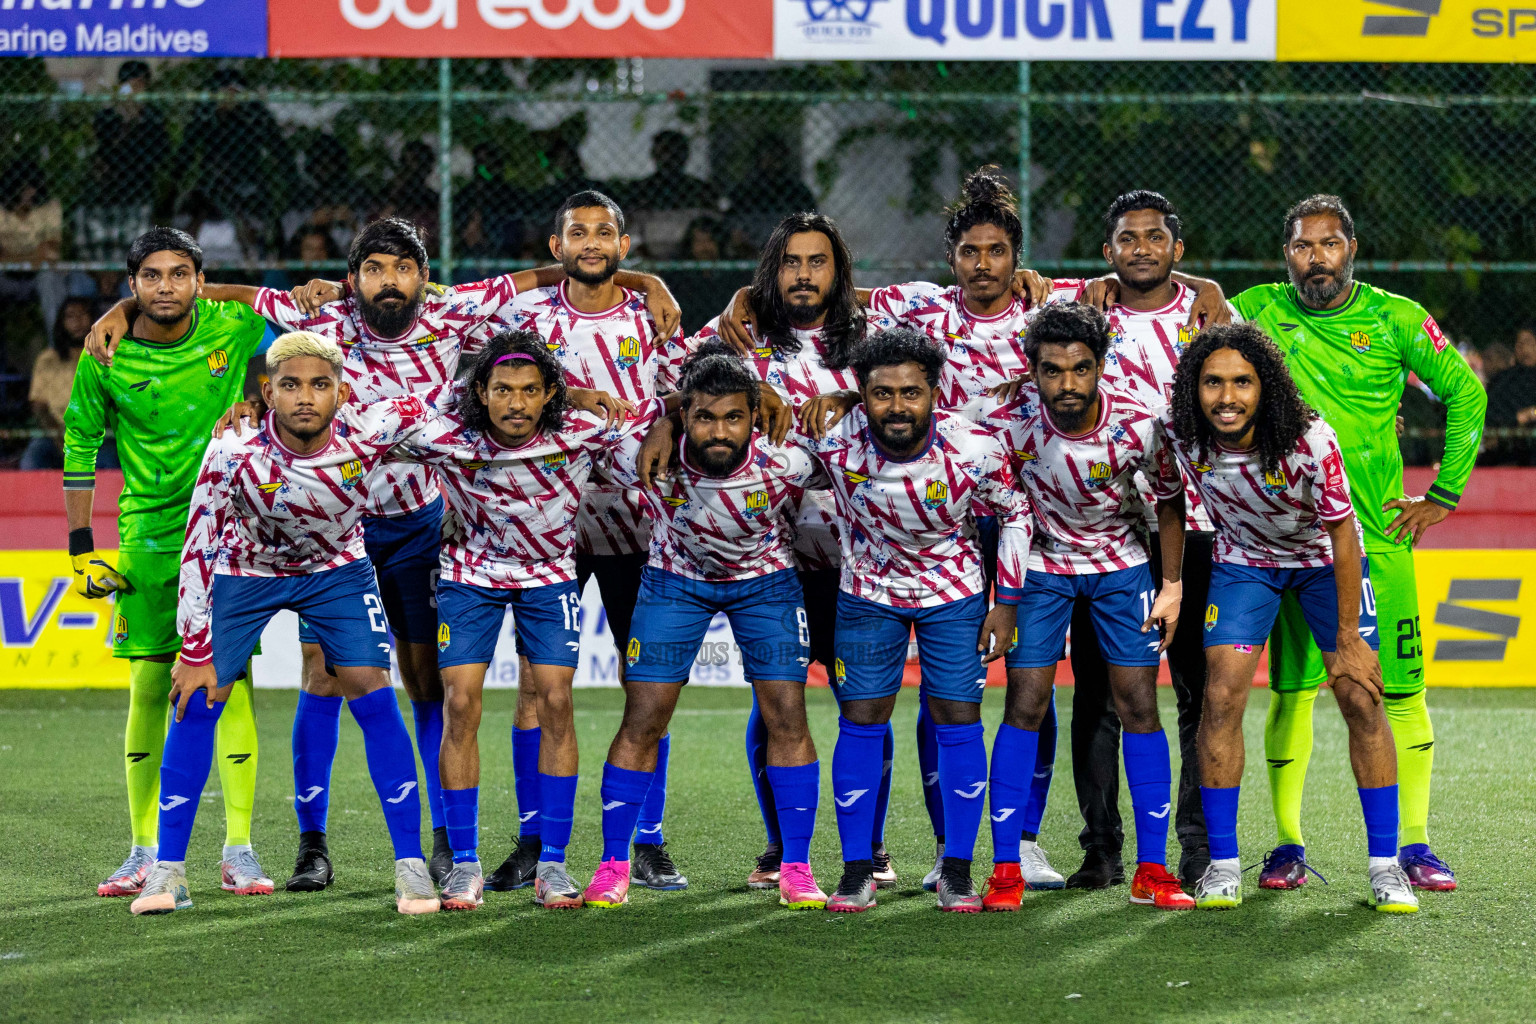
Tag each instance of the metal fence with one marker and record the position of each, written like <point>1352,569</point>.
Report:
<point>274,164</point>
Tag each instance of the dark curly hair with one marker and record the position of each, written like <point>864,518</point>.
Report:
<point>843,327</point>
<point>1141,199</point>
<point>1283,415</point>
<point>1062,323</point>
<point>477,415</point>
<point>985,198</point>
<point>894,346</point>
<point>714,369</point>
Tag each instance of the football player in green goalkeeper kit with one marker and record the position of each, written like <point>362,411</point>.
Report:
<point>1350,346</point>
<point>181,366</point>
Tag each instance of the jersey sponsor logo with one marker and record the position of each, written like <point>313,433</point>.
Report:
<point>756,503</point>
<point>271,487</point>
<point>629,353</point>
<point>1333,469</point>
<point>428,341</point>
<point>554,463</point>
<point>1360,342</point>
<point>444,637</point>
<point>1025,456</point>
<point>1274,481</point>
<point>218,362</point>
<point>351,473</point>
<point>140,386</point>
<point>409,406</point>
<point>1435,334</point>
<point>936,494</point>
<point>1211,613</point>
<point>632,653</point>
<point>1200,467</point>
<point>855,478</point>
<point>476,465</point>
<point>675,502</point>
<point>1098,473</point>
<point>763,351</point>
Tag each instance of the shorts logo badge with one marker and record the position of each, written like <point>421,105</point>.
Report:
<point>936,494</point>
<point>218,362</point>
<point>1360,342</point>
<point>839,670</point>
<point>756,503</point>
<point>119,629</point>
<point>1211,612</point>
<point>632,655</point>
<point>442,636</point>
<point>629,353</point>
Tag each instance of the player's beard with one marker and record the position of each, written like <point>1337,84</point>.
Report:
<point>804,314</point>
<point>574,271</point>
<point>167,319</point>
<point>1072,421</point>
<point>386,322</point>
<point>716,460</point>
<point>881,430</point>
<point>1318,292</point>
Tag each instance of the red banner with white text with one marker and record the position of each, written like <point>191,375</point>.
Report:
<point>520,28</point>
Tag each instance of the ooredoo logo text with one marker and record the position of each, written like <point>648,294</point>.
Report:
<point>510,14</point>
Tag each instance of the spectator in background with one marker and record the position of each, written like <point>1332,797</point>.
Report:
<point>774,191</point>
<point>1496,358</point>
<point>561,154</point>
<point>702,294</point>
<point>311,244</point>
<point>131,143</point>
<point>1512,399</point>
<point>326,195</point>
<point>485,214</point>
<point>408,194</point>
<point>662,207</point>
<point>31,231</point>
<point>239,156</point>
<point>52,376</point>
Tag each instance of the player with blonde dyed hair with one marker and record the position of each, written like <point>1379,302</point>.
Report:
<point>303,343</point>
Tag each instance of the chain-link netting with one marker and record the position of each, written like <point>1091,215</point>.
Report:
<point>273,166</point>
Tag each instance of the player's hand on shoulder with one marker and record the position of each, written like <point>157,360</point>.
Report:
<point>187,680</point>
<point>253,411</point>
<point>1209,307</point>
<point>107,333</point>
<point>1101,292</point>
<point>314,294</point>
<point>1033,287</point>
<point>653,461</point>
<point>736,322</point>
<point>819,415</point>
<point>1009,389</point>
<point>776,415</point>
<point>613,410</point>
<point>663,308</point>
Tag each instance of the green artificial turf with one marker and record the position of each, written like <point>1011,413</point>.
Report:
<point>720,953</point>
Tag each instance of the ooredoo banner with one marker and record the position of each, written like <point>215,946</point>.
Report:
<point>133,28</point>
<point>1024,29</point>
<point>521,28</point>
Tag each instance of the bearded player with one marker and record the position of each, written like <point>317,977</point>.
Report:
<point>181,363</point>
<point>1349,346</point>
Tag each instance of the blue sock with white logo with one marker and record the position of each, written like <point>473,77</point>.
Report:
<point>1013,756</point>
<point>1044,768</point>
<point>648,828</point>
<point>1149,777</point>
<point>883,794</point>
<point>928,765</point>
<point>316,730</point>
<point>392,765</point>
<point>798,790</point>
<point>855,778</point>
<point>1379,805</point>
<point>429,740</point>
<point>525,780</point>
<point>461,810</point>
<point>757,764</point>
<point>623,791</point>
<point>557,806</point>
<point>963,776</point>
<point>184,769</point>
<point>1220,807</point>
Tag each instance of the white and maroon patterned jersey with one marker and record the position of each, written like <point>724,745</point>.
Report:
<point>1271,520</point>
<point>909,537</point>
<point>1089,515</point>
<point>797,378</point>
<point>617,351</point>
<point>260,509</point>
<point>423,358</point>
<point>735,527</point>
<point>984,351</point>
<point>512,511</point>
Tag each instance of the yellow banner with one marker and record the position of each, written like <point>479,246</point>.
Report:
<point>1406,30</point>
<point>1472,607</point>
<point>52,637</point>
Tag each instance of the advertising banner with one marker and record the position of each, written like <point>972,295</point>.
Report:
<point>521,28</point>
<point>1024,29</point>
<point>1406,30</point>
<point>1472,629</point>
<point>133,28</point>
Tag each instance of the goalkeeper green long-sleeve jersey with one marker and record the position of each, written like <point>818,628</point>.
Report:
<point>161,400</point>
<point>1351,364</point>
